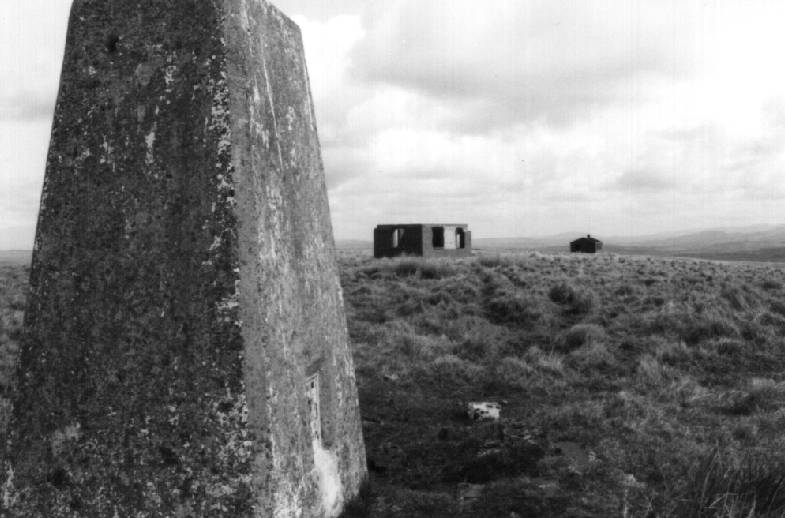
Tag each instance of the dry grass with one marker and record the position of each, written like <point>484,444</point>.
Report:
<point>664,375</point>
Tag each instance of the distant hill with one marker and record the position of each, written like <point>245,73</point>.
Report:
<point>744,238</point>
<point>764,243</point>
<point>353,244</point>
<point>754,243</point>
<point>15,256</point>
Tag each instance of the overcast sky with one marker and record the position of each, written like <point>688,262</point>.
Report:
<point>519,117</point>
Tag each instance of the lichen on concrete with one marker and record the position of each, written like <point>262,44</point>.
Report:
<point>183,277</point>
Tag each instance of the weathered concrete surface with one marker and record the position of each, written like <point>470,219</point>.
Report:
<point>183,282</point>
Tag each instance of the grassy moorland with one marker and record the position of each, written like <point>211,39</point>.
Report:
<point>630,386</point>
<point>13,296</point>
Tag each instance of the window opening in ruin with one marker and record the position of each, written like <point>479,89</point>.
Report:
<point>397,237</point>
<point>460,238</point>
<point>438,237</point>
<point>314,413</point>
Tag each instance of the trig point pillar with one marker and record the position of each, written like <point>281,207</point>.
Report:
<point>186,351</point>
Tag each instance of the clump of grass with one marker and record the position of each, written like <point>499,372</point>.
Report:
<point>651,371</point>
<point>625,290</point>
<point>436,270</point>
<point>672,352</point>
<point>561,293</point>
<point>721,486</point>
<point>423,268</point>
<point>729,347</point>
<point>576,301</point>
<point>580,335</point>
<point>592,356</point>
<point>552,363</point>
<point>691,327</point>
<point>406,268</point>
<point>450,371</point>
<point>772,320</point>
<point>493,261</point>
<point>778,307</point>
<point>763,395</point>
<point>737,298</point>
<point>697,330</point>
<point>513,372</point>
<point>513,308</point>
<point>686,391</point>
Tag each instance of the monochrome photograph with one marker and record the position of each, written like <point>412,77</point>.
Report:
<point>392,259</point>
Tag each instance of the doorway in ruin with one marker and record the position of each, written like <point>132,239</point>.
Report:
<point>460,238</point>
<point>438,237</point>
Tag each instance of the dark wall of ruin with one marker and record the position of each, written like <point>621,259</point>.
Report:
<point>183,274</point>
<point>417,240</point>
<point>586,245</point>
<point>410,244</point>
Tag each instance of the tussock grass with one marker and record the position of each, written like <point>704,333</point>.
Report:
<point>720,485</point>
<point>642,366</point>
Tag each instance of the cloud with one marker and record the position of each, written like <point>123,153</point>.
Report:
<point>318,11</point>
<point>32,35</point>
<point>509,61</point>
<point>520,118</point>
<point>643,180</point>
<point>31,106</point>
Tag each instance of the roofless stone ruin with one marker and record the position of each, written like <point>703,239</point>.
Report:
<point>186,351</point>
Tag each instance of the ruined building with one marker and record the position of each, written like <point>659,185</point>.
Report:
<point>422,239</point>
<point>186,350</point>
<point>586,245</point>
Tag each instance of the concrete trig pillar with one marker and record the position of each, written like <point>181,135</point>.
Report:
<point>186,351</point>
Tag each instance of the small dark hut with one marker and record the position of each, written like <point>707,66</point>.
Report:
<point>422,239</point>
<point>586,245</point>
